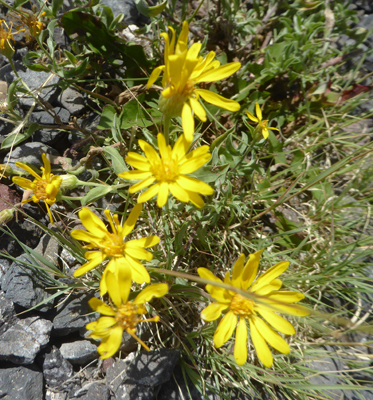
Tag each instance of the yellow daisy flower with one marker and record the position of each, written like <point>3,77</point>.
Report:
<point>43,187</point>
<point>262,124</point>
<point>169,172</point>
<point>124,256</point>
<point>123,315</point>
<point>270,301</point>
<point>183,68</point>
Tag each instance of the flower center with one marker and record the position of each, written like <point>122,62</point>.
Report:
<point>129,315</point>
<point>40,190</point>
<point>241,305</point>
<point>263,124</point>
<point>113,245</point>
<point>166,171</point>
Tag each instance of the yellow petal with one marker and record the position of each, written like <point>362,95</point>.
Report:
<point>95,259</point>
<point>198,109</point>
<point>29,170</point>
<point>99,306</point>
<point>240,347</point>
<point>213,311</point>
<point>162,194</point>
<point>194,160</point>
<point>225,329</point>
<point>150,193</point>
<point>132,219</point>
<point>290,309</point>
<point>138,161</point>
<point>187,122</point>
<point>23,183</point>
<point>138,252</point>
<point>156,290</point>
<point>271,337</point>
<point>220,73</point>
<point>266,289</point>
<point>178,192</point>
<point>150,153</point>
<point>218,100</point>
<point>93,223</point>
<point>85,236</point>
<point>278,322</point>
<point>261,348</point>
<point>110,344</point>
<point>251,269</point>
<point>196,199</point>
<point>237,271</point>
<point>124,278</point>
<point>135,175</point>
<point>270,275</point>
<point>182,41</point>
<point>148,241</point>
<point>138,271</point>
<point>164,150</point>
<point>265,133</point>
<point>141,185</point>
<point>154,75</point>
<point>287,296</point>
<point>258,112</point>
<point>100,327</point>
<point>180,149</point>
<point>47,167</point>
<point>113,288</point>
<point>251,116</point>
<point>194,185</point>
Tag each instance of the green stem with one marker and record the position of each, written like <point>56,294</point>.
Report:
<point>195,12</point>
<point>166,129</point>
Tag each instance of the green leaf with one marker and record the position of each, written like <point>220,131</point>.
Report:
<point>12,98</point>
<point>95,194</point>
<point>16,138</point>
<point>220,139</point>
<point>71,57</point>
<point>18,3</point>
<point>133,114</point>
<point>56,5</point>
<point>116,159</point>
<point>107,118</point>
<point>148,11</point>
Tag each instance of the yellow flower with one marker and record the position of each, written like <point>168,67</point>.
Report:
<point>270,300</point>
<point>123,315</point>
<point>183,68</point>
<point>262,124</point>
<point>43,187</point>
<point>6,48</point>
<point>124,256</point>
<point>169,171</point>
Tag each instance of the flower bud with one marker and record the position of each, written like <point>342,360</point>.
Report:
<point>6,216</point>
<point>69,182</point>
<point>6,170</point>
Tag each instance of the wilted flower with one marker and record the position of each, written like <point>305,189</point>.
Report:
<point>123,255</point>
<point>29,19</point>
<point>123,315</point>
<point>169,172</point>
<point>266,300</point>
<point>262,124</point>
<point>43,187</point>
<point>6,48</point>
<point>183,68</point>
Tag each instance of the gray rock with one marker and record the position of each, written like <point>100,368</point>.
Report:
<point>52,395</point>
<point>80,352</point>
<point>35,80</point>
<point>328,372</point>
<point>137,376</point>
<point>7,74</point>
<point>73,315</point>
<point>51,137</point>
<point>4,266</point>
<point>94,391</point>
<point>48,247</point>
<point>73,101</point>
<point>129,9</point>
<point>21,342</point>
<point>53,117</point>
<point>29,153</point>
<point>21,383</point>
<point>24,287</point>
<point>56,369</point>
<point>7,313</point>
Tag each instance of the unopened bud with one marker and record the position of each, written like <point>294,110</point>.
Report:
<point>6,216</point>
<point>6,170</point>
<point>69,182</point>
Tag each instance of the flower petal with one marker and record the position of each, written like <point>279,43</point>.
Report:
<point>287,296</point>
<point>154,75</point>
<point>180,149</point>
<point>132,219</point>
<point>23,183</point>
<point>252,117</point>
<point>290,309</point>
<point>261,348</point>
<point>194,185</point>
<point>258,112</point>
<point>178,192</point>
<point>162,194</point>
<point>225,329</point>
<point>220,73</point>
<point>141,185</point>
<point>198,109</point>
<point>240,347</point>
<point>218,100</point>
<point>187,122</point>
<point>138,161</point>
<point>278,322</point>
<point>110,344</point>
<point>138,271</point>
<point>251,269</point>
<point>213,311</point>
<point>138,252</point>
<point>85,236</point>
<point>135,175</point>
<point>196,199</point>
<point>266,289</point>
<point>29,170</point>
<point>155,290</point>
<point>271,337</point>
<point>270,275</point>
<point>100,327</point>
<point>112,285</point>
<point>93,223</point>
<point>95,259</point>
<point>99,306</point>
<point>148,241</point>
<point>151,192</point>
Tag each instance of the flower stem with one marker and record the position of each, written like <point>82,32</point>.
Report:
<point>166,129</point>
